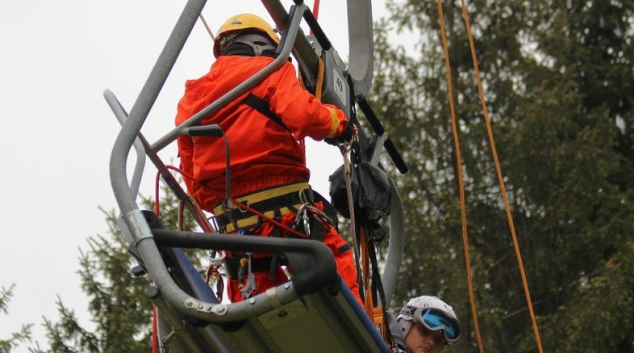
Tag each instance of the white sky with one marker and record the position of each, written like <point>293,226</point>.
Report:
<point>56,59</point>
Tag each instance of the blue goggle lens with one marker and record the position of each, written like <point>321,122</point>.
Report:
<point>437,322</point>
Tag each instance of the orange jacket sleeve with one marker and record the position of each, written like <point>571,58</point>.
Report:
<point>300,111</point>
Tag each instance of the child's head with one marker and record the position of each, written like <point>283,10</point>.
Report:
<point>428,324</point>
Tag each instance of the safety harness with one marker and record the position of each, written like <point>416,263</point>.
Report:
<point>283,200</point>
<point>244,214</point>
<point>270,205</point>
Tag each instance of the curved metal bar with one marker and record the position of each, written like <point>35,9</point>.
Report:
<point>395,247</point>
<point>122,115</point>
<point>143,148</point>
<point>242,88</point>
<point>361,45</point>
<point>316,270</point>
<point>312,262</point>
<point>303,51</point>
<point>143,104</point>
<point>141,234</point>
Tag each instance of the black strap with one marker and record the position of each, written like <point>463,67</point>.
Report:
<point>258,264</point>
<point>329,209</point>
<point>263,206</point>
<point>377,283</point>
<point>263,108</point>
<point>276,234</point>
<point>245,50</point>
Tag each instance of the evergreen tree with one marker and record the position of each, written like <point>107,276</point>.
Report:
<point>17,338</point>
<point>121,311</point>
<point>558,82</point>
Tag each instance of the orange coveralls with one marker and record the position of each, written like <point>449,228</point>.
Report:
<point>263,154</point>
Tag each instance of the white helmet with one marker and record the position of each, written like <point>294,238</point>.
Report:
<point>432,313</point>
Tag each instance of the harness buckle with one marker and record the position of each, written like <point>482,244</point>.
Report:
<point>306,196</point>
<point>250,287</point>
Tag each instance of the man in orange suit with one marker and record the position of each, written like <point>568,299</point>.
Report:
<point>265,128</point>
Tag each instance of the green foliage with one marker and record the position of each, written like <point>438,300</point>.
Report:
<point>17,338</point>
<point>120,310</point>
<point>558,83</point>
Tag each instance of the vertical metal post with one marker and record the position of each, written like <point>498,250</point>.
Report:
<point>145,101</point>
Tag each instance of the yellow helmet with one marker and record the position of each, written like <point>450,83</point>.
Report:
<point>240,22</point>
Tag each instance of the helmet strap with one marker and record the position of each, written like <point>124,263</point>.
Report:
<point>250,44</point>
<point>406,326</point>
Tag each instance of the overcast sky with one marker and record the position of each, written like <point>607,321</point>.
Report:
<point>56,59</point>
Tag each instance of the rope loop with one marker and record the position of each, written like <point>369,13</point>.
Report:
<point>498,171</point>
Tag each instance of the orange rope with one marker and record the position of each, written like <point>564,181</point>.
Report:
<point>500,178</point>
<point>320,80</point>
<point>463,214</point>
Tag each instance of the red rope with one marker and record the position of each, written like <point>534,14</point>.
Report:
<point>246,207</point>
<point>157,207</point>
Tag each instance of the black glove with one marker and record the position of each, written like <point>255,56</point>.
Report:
<point>345,136</point>
<point>333,141</point>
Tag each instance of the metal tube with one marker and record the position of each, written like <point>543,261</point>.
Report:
<point>396,245</point>
<point>303,51</point>
<point>177,324</point>
<point>142,235</point>
<point>143,149</point>
<point>235,92</point>
<point>146,99</point>
<point>122,115</point>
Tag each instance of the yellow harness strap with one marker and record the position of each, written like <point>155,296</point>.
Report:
<point>254,198</point>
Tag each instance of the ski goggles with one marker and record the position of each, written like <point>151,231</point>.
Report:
<point>434,320</point>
